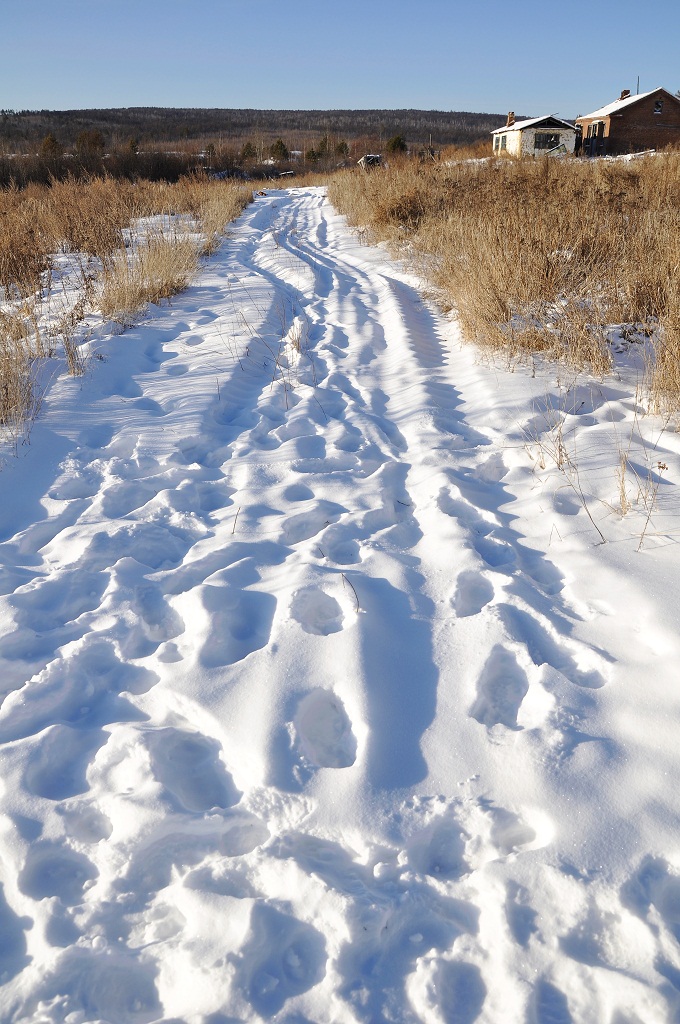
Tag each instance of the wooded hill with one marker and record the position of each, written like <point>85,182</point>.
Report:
<point>23,130</point>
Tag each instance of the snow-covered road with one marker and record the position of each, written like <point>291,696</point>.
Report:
<point>318,705</point>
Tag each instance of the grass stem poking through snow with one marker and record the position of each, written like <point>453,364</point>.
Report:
<point>655,481</point>
<point>350,584</point>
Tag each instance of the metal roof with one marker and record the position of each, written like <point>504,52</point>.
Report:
<point>518,126</point>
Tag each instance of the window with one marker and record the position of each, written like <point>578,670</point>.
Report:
<point>496,143</point>
<point>658,106</point>
<point>504,142</point>
<point>546,140</point>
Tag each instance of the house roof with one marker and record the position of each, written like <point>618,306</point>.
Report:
<point>532,122</point>
<point>613,108</point>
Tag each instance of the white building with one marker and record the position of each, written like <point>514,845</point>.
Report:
<point>536,137</point>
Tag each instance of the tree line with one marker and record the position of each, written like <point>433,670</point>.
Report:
<point>25,129</point>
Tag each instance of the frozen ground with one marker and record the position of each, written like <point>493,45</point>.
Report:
<point>323,701</point>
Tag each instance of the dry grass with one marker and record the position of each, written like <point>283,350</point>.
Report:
<point>540,256</point>
<point>158,269</point>
<point>89,221</point>
<point>212,204</point>
<point>21,344</point>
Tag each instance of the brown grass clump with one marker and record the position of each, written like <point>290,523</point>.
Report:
<point>24,255</point>
<point>87,217</point>
<point>158,269</point>
<point>215,206</point>
<point>665,372</point>
<point>538,256</point>
<point>20,345</point>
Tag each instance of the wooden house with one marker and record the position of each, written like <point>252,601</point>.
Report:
<point>537,136</point>
<point>631,124</point>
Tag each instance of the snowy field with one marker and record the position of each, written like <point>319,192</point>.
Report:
<point>323,700</point>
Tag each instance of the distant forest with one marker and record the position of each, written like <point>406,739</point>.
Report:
<point>164,143</point>
<point>24,130</point>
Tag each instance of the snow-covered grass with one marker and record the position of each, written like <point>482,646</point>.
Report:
<point>322,698</point>
<point>79,250</point>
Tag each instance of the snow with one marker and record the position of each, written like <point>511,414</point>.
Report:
<point>323,700</point>
<point>613,108</point>
<point>518,126</point>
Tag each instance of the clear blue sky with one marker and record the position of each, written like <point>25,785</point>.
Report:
<point>531,56</point>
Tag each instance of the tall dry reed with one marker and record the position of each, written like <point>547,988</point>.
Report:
<point>539,256</point>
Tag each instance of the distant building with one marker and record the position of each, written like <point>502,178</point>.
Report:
<point>370,160</point>
<point>538,136</point>
<point>631,124</point>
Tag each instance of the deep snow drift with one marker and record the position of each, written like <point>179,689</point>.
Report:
<point>322,699</point>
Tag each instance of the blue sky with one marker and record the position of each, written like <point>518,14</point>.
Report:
<point>530,56</point>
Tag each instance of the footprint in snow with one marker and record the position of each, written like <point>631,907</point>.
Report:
<point>113,987</point>
<point>153,863</point>
<point>125,496</point>
<point>501,688</point>
<point>339,545</point>
<point>520,915</point>
<point>177,370</point>
<point>509,833</point>
<point>76,482</point>
<point>298,492</point>
<point>96,437</point>
<point>213,496</point>
<point>655,885</point>
<point>324,730</point>
<point>12,941</point>
<point>298,425</point>
<point>439,850</point>
<point>223,880</point>
<point>57,769</point>
<point>54,870</point>
<point>146,620</point>
<point>579,663</point>
<point>389,937</point>
<point>281,958</point>
<point>316,611</point>
<point>158,547</point>
<point>308,524</point>
<point>191,340</point>
<point>240,623</point>
<point>497,554</point>
<point>46,604</point>
<point>473,592</point>
<point>84,822</point>
<point>549,1005</point>
<point>80,690</point>
<point>459,991</point>
<point>189,767</point>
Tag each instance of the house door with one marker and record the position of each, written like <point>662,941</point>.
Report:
<point>594,142</point>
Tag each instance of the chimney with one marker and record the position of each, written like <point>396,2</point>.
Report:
<point>511,119</point>
<point>624,95</point>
